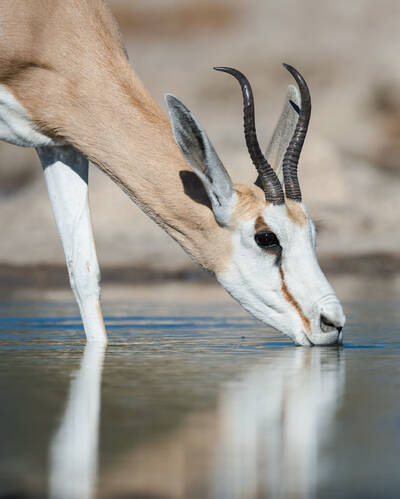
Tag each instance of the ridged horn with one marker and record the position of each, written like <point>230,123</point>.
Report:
<point>291,159</point>
<point>272,187</point>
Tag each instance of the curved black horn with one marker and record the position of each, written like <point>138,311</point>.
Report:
<point>272,187</point>
<point>292,155</point>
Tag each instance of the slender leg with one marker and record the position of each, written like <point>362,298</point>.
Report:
<point>66,174</point>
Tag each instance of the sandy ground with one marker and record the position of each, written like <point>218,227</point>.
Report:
<point>348,287</point>
<point>350,174</point>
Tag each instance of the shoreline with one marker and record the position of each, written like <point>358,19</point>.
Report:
<point>44,276</point>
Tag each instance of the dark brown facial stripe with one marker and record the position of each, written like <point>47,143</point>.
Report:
<point>260,224</point>
<point>289,298</point>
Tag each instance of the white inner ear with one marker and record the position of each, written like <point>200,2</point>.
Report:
<point>202,158</point>
<point>284,131</point>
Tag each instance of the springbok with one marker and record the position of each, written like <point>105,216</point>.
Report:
<point>67,89</point>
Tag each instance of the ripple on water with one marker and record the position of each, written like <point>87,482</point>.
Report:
<point>234,401</point>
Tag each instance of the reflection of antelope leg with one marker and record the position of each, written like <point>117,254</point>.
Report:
<point>73,449</point>
<point>66,173</point>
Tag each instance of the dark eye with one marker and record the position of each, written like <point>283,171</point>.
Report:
<point>267,240</point>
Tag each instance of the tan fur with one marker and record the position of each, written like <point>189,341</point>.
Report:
<point>290,299</point>
<point>250,204</point>
<point>260,225</point>
<point>65,63</point>
<point>296,212</point>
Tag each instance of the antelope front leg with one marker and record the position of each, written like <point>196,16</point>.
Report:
<point>66,174</point>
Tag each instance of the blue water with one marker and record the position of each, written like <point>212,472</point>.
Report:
<point>196,402</point>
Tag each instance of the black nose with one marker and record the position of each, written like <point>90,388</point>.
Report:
<point>327,325</point>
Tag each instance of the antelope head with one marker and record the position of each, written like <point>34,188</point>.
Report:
<point>273,271</point>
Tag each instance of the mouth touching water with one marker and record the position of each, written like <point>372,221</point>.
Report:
<point>272,269</point>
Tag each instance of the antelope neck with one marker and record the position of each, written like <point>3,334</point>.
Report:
<point>141,156</point>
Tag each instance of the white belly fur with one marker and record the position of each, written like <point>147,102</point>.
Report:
<point>16,126</point>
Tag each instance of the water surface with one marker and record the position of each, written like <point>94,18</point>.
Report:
<point>196,402</point>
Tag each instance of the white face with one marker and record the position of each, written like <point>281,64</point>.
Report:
<point>275,275</point>
<point>273,271</point>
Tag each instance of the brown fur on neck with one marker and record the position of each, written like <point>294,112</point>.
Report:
<point>93,100</point>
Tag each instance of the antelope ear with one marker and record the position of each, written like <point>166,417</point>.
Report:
<point>284,130</point>
<point>202,158</point>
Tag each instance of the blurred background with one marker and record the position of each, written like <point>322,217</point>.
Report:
<point>197,399</point>
<point>349,171</point>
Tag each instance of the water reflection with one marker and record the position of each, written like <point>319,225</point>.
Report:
<point>274,422</point>
<point>172,426</point>
<point>269,432</point>
<point>74,446</point>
